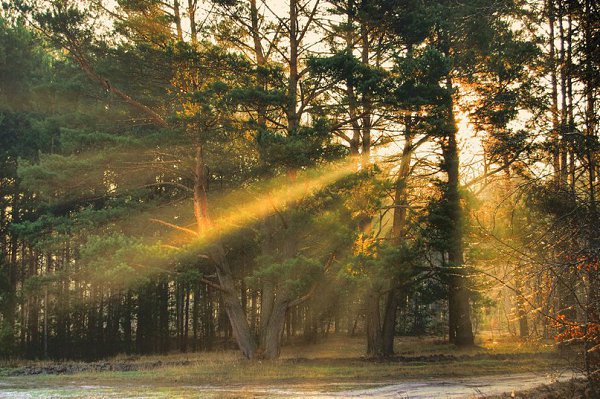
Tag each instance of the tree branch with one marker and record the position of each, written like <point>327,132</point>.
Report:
<point>212,284</point>
<point>174,226</point>
<point>170,183</point>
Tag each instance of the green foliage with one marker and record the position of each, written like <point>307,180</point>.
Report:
<point>74,141</point>
<point>293,275</point>
<point>507,142</point>
<point>411,22</point>
<point>437,222</point>
<point>22,65</point>
<point>19,138</point>
<point>123,261</point>
<point>57,174</point>
<point>301,148</point>
<point>255,96</point>
<point>419,79</point>
<point>344,67</point>
<point>68,23</point>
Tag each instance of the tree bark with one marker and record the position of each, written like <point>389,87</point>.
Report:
<point>192,16</point>
<point>521,304</point>
<point>352,100</point>
<point>592,305</point>
<point>461,330</point>
<point>398,235</point>
<point>389,321</point>
<point>373,325</point>
<point>271,340</point>
<point>260,60</point>
<point>235,312</point>
<point>177,18</point>
<point>366,102</point>
<point>555,139</point>
<point>563,96</point>
<point>292,110</point>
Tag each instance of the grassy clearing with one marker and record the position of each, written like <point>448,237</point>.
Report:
<point>334,360</point>
<point>354,347</point>
<point>276,373</point>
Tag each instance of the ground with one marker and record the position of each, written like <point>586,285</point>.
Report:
<point>572,389</point>
<point>334,365</point>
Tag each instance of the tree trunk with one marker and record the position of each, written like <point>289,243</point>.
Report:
<point>352,100</point>
<point>571,112</point>
<point>292,111</point>
<point>389,321</point>
<point>461,331</point>
<point>273,332</point>
<point>267,305</point>
<point>521,305</point>
<point>554,84</point>
<point>46,309</point>
<point>192,16</point>
<point>208,325</point>
<point>127,322</point>
<point>563,97</point>
<point>253,311</point>
<point>260,61</point>
<point>195,315</point>
<point>163,319</point>
<point>592,305</point>
<point>373,325</point>
<point>233,308</point>
<point>235,312</point>
<point>366,102</point>
<point>398,235</point>
<point>186,319</point>
<point>11,306</point>
<point>177,18</point>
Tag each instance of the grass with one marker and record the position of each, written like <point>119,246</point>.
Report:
<point>241,372</point>
<point>335,363</point>
<point>354,347</point>
<point>334,359</point>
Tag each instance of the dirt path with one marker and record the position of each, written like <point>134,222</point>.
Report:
<point>472,387</point>
<point>475,387</point>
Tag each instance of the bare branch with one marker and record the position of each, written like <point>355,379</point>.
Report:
<point>176,227</point>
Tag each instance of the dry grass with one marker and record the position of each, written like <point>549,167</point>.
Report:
<point>354,347</point>
<point>336,359</point>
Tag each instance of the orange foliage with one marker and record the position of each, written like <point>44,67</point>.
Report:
<point>572,332</point>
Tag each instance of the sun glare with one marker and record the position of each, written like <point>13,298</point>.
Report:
<point>242,207</point>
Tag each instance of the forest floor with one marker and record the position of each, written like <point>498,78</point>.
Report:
<point>334,367</point>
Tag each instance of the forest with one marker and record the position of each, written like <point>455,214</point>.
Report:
<point>199,175</point>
